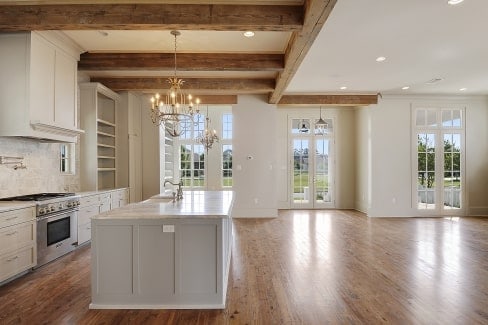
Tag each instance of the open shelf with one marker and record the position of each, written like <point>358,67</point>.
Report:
<point>107,123</point>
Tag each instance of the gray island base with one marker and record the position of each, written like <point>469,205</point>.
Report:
<point>159,254</point>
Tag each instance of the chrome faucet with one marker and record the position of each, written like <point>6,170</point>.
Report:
<point>179,193</point>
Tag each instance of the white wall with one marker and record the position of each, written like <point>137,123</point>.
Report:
<point>150,152</point>
<point>390,170</point>
<point>363,159</point>
<point>253,158</point>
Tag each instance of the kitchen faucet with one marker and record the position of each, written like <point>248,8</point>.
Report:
<point>179,193</point>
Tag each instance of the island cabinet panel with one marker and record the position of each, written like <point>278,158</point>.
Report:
<point>198,246</point>
<point>156,262</point>
<point>168,263</point>
<point>114,256</point>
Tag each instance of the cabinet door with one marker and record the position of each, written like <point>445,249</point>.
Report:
<point>65,96</point>
<point>156,261</point>
<point>17,236</point>
<point>16,262</point>
<point>42,60</point>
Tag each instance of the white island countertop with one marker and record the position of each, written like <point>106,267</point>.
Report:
<point>195,204</point>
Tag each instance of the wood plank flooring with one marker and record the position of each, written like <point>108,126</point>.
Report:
<point>304,267</point>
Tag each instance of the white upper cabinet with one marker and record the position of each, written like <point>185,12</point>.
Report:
<point>38,82</point>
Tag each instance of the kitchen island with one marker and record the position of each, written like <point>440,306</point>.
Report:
<point>159,254</point>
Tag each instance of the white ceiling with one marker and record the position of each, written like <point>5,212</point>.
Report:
<point>421,39</point>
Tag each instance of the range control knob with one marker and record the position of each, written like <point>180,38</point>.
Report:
<point>52,208</point>
<point>70,204</point>
<point>41,211</point>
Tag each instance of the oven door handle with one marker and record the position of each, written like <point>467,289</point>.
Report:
<point>54,215</point>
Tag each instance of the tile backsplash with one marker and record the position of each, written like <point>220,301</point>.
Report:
<point>42,172</point>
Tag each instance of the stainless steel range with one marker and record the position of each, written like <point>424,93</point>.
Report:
<point>56,223</point>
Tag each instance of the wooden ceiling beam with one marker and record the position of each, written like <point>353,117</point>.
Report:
<point>144,16</point>
<point>218,99</point>
<point>186,61</point>
<point>191,85</point>
<point>318,100</point>
<point>316,13</point>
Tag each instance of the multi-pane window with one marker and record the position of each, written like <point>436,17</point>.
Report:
<point>227,126</point>
<point>192,155</point>
<point>227,150</point>
<point>198,167</point>
<point>192,165</point>
<point>226,165</point>
<point>439,150</point>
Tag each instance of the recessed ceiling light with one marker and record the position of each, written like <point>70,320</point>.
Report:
<point>380,59</point>
<point>454,2</point>
<point>249,33</point>
<point>433,81</point>
<point>343,87</point>
<point>406,87</point>
<point>462,89</point>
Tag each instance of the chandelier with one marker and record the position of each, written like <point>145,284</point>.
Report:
<point>174,109</point>
<point>208,136</point>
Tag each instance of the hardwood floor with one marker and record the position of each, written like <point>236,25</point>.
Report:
<point>304,267</point>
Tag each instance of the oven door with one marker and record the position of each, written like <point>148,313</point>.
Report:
<point>56,235</point>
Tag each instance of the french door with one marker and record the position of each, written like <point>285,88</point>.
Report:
<point>440,173</point>
<point>312,166</point>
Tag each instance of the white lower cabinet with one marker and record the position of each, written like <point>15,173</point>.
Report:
<point>91,205</point>
<point>160,263</point>
<point>120,198</point>
<point>84,217</point>
<point>105,202</point>
<point>17,242</point>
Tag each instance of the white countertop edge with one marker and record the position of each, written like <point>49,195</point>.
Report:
<point>214,208</point>
<point>90,193</point>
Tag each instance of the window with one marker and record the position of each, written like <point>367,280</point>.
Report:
<point>192,155</point>
<point>226,150</point>
<point>194,165</point>
<point>439,134</point>
<point>66,161</point>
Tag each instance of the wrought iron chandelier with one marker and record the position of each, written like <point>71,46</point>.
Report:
<point>175,109</point>
<point>208,136</point>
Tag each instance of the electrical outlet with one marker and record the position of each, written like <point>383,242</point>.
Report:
<point>168,228</point>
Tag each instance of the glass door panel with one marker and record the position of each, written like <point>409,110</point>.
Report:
<point>452,171</point>
<point>321,175</point>
<point>300,179</point>
<point>426,171</point>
